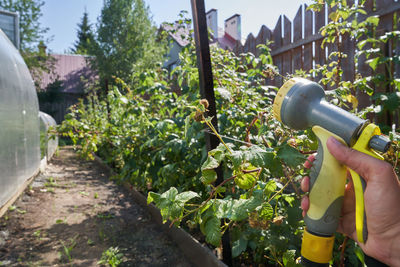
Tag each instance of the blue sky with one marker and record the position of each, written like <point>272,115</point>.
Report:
<point>62,17</point>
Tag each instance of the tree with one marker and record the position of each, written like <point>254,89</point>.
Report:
<point>31,32</point>
<point>85,36</point>
<point>32,43</point>
<point>126,41</point>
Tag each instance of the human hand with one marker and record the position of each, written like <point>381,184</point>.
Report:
<point>381,198</point>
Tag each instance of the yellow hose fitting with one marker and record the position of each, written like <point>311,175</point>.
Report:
<point>317,248</point>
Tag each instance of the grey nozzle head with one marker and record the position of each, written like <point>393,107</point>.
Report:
<point>299,102</point>
<point>379,143</point>
<point>304,106</point>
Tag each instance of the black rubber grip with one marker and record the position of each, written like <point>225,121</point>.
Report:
<point>309,263</point>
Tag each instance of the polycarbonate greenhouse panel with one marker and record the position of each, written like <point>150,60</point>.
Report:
<point>48,143</point>
<point>19,122</point>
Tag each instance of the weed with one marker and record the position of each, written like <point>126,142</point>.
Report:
<point>60,221</point>
<point>105,216</point>
<point>65,254</point>
<point>96,195</point>
<point>51,182</point>
<point>111,257</point>
<point>102,235</point>
<point>90,242</point>
<point>21,211</point>
<point>12,208</point>
<point>36,234</point>
<point>83,193</point>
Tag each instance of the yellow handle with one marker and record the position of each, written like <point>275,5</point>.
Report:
<point>362,145</point>
<point>328,177</point>
<point>327,183</point>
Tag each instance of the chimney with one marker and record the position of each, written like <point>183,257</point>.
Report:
<point>233,27</point>
<point>212,22</point>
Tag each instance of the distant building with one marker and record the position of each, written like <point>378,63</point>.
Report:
<point>226,39</point>
<point>71,78</point>
<point>231,34</point>
<point>178,35</point>
<point>9,24</point>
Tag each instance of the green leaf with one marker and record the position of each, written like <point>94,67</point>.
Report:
<point>210,164</point>
<point>213,231</point>
<point>225,94</point>
<point>239,246</point>
<point>170,194</point>
<point>245,180</point>
<point>218,153</point>
<point>186,196</point>
<point>236,209</point>
<point>373,20</point>
<point>242,207</point>
<point>291,156</point>
<point>255,155</point>
<point>289,258</point>
<point>237,158</point>
<point>152,197</point>
<point>360,254</point>
<point>208,176</point>
<point>270,188</point>
<point>373,63</point>
<point>266,211</point>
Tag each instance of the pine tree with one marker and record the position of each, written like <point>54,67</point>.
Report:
<point>85,40</point>
<point>126,41</point>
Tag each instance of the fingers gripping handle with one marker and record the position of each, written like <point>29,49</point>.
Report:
<point>362,145</point>
<point>327,183</point>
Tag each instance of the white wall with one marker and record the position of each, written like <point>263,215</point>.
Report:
<point>233,27</point>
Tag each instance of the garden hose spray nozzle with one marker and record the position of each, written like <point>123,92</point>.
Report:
<point>301,104</point>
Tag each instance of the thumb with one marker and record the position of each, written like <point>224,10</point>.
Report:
<point>361,163</point>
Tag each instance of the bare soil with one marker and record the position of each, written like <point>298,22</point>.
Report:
<point>72,213</point>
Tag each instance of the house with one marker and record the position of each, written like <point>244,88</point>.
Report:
<point>178,35</point>
<point>9,24</point>
<point>231,34</point>
<point>70,79</point>
<point>226,39</point>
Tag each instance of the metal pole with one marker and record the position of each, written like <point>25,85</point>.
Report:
<point>207,92</point>
<point>204,66</point>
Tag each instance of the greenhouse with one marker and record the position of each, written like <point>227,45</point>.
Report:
<point>19,118</point>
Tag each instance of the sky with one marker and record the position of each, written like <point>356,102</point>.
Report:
<point>62,17</point>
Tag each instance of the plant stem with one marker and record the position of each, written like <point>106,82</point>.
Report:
<point>216,133</point>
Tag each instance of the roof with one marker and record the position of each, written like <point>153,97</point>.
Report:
<point>211,10</point>
<point>226,42</point>
<point>73,70</point>
<point>231,17</point>
<point>178,32</point>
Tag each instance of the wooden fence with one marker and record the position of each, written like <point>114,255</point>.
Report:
<point>297,44</point>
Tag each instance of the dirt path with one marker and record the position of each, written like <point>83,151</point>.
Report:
<point>72,214</point>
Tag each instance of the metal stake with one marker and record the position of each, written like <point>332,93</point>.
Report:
<point>207,92</point>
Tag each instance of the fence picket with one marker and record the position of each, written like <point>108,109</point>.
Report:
<point>308,32</point>
<point>320,54</point>
<point>348,48</point>
<point>297,35</point>
<point>277,37</point>
<point>287,39</point>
